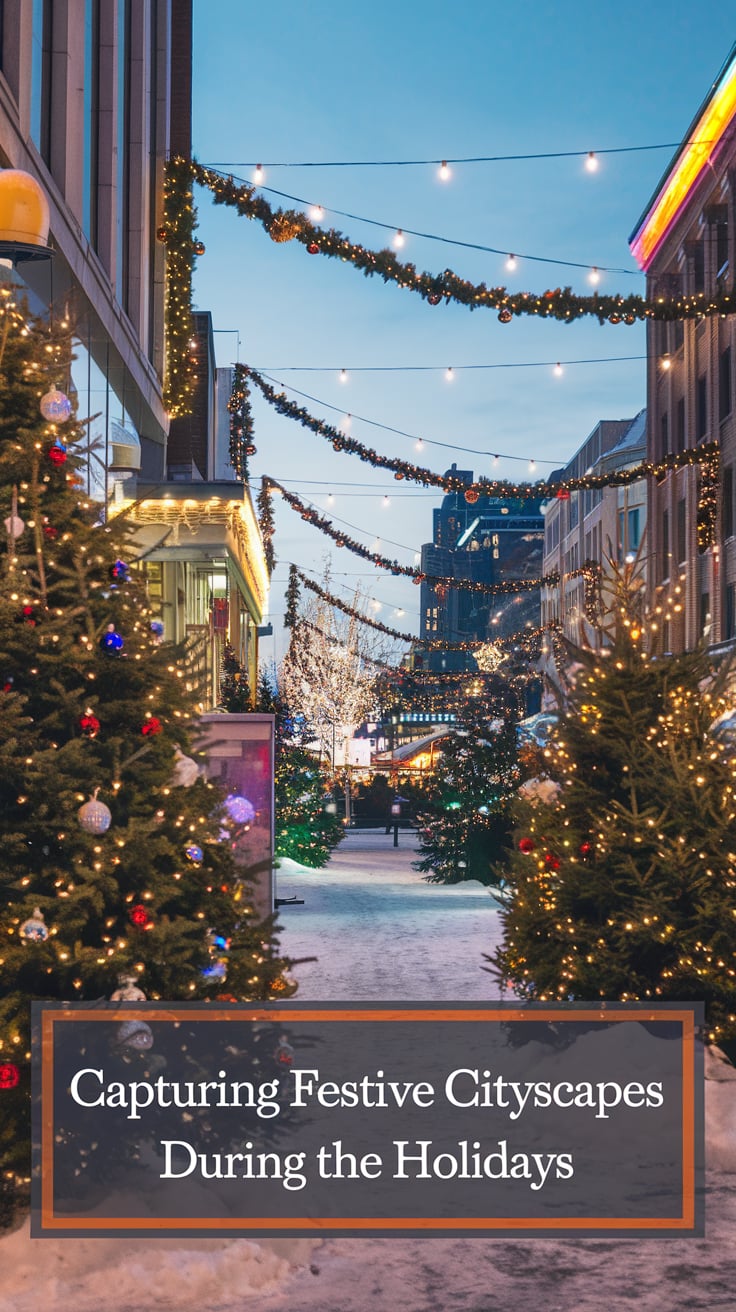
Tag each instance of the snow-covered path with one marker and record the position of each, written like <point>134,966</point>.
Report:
<point>380,932</point>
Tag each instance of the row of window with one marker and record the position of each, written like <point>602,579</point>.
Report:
<point>673,437</point>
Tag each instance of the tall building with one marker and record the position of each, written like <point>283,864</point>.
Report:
<point>488,541</point>
<point>94,96</point>
<point>685,242</point>
<point>604,525</point>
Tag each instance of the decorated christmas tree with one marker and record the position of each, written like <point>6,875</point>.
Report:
<point>305,830</point>
<point>465,817</point>
<point>116,860</point>
<point>623,880</point>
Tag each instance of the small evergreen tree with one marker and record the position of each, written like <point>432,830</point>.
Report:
<point>305,831</point>
<point>128,883</point>
<point>465,815</point>
<point>234,690</point>
<point>623,887</point>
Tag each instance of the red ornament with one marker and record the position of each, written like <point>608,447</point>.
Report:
<point>526,845</point>
<point>140,917</point>
<point>398,476</point>
<point>57,453</point>
<point>472,495</point>
<point>50,532</point>
<point>30,615</point>
<point>162,234</point>
<point>552,861</point>
<point>313,248</point>
<point>434,299</point>
<point>9,1075</point>
<point>90,725</point>
<point>614,318</point>
<point>505,316</point>
<point>563,494</point>
<point>629,319</point>
<point>586,848</point>
<point>199,248</point>
<point>549,295</point>
<point>151,727</point>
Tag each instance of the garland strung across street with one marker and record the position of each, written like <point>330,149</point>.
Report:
<point>177,233</point>
<point>706,455</point>
<point>590,571</point>
<point>291,619</point>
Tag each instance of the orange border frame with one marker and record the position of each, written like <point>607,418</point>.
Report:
<point>684,1222</point>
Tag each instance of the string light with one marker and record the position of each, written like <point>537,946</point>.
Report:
<point>258,174</point>
<point>591,162</point>
<point>449,374</point>
<point>444,173</point>
<point>343,375</point>
<point>594,276</point>
<point>399,239</point>
<point>317,213</point>
<point>511,263</point>
<point>666,362</point>
<point>558,370</point>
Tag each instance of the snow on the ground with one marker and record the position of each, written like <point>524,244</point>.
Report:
<point>380,933</point>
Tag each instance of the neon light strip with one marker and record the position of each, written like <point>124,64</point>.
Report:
<point>710,128</point>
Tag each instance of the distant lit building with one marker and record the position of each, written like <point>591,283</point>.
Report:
<point>489,541</point>
<point>685,242</point>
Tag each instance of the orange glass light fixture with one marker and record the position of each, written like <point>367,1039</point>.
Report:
<point>694,157</point>
<point>24,209</point>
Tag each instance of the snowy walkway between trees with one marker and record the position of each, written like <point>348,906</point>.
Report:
<point>381,933</point>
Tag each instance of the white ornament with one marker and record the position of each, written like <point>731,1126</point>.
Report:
<point>14,526</point>
<point>128,990</point>
<point>540,790</point>
<point>135,1034</point>
<point>186,770</point>
<point>94,816</point>
<point>55,406</point>
<point>35,929</point>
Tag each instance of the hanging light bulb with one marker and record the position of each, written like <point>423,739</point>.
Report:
<point>258,174</point>
<point>386,502</point>
<point>558,370</point>
<point>399,239</point>
<point>666,362</point>
<point>449,374</point>
<point>594,277</point>
<point>346,423</point>
<point>444,173</point>
<point>511,263</point>
<point>591,162</point>
<point>496,459</point>
<point>331,499</point>
<point>343,375</point>
<point>419,445</point>
<point>532,466</point>
<point>317,213</point>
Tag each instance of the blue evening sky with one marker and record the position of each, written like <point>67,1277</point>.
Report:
<point>331,81</point>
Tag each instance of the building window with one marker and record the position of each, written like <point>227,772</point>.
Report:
<point>123,147</point>
<point>665,561</point>
<point>704,613</point>
<point>41,39</point>
<point>729,611</point>
<point>727,502</point>
<point>680,426</point>
<point>724,384</point>
<point>90,162</point>
<point>721,249</point>
<point>634,529</point>
<point>698,266</point>
<point>664,436</point>
<point>681,531</point>
<point>702,407</point>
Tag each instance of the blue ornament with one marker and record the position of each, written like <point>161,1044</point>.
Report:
<point>218,970</point>
<point>194,853</point>
<point>219,941</point>
<point>157,628</point>
<point>120,571</point>
<point>112,641</point>
<point>240,810</point>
